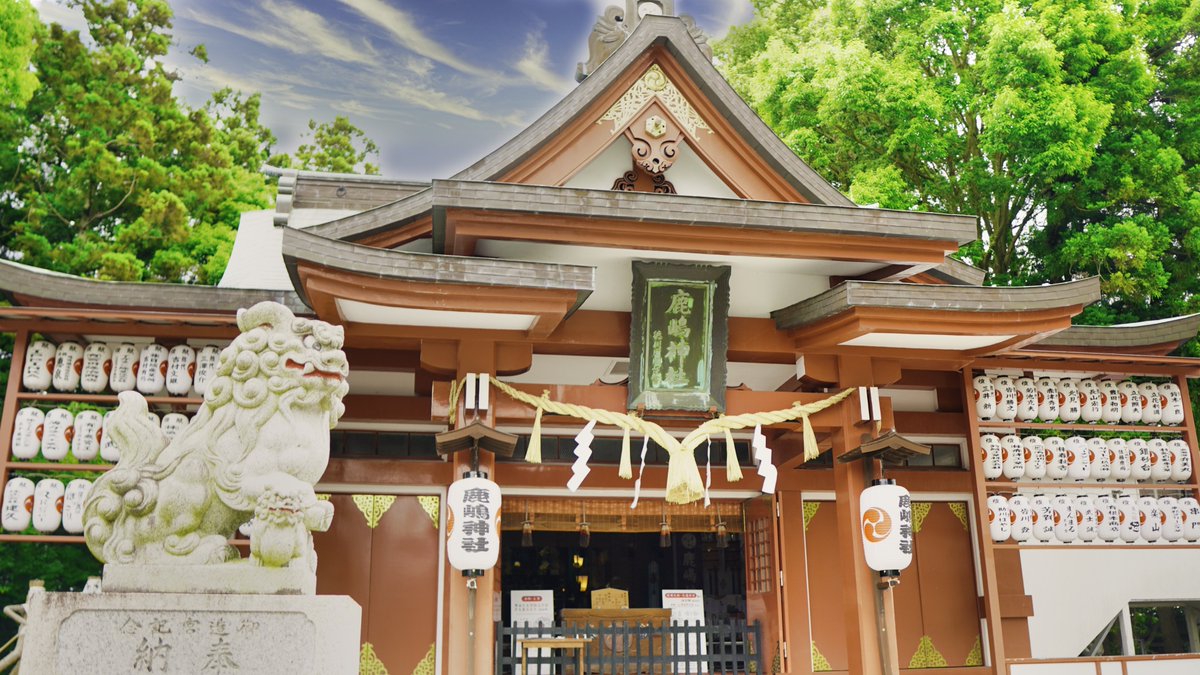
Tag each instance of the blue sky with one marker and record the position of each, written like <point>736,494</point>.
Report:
<point>436,83</point>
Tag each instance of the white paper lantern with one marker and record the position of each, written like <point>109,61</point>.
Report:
<point>1172,403</point>
<point>85,441</point>
<point>1006,398</point>
<point>1100,459</point>
<point>1068,400</point>
<point>1021,518</point>
<point>985,396</point>
<point>1013,457</point>
<point>1151,403</point>
<point>1043,517</point>
<point>1091,403</point>
<point>1190,514</point>
<point>173,424</point>
<point>48,505</point>
<point>1035,457</point>
<point>108,448</point>
<point>1181,460</point>
<point>999,519</point>
<point>1108,518</point>
<point>1118,451</point>
<point>1066,527</point>
<point>473,537</point>
<point>1079,462</point>
<point>152,371</point>
<point>124,368</point>
<point>68,365</point>
<point>1131,403</point>
<point>28,428</point>
<point>885,514</point>
<point>97,364</point>
<point>991,456</point>
<point>1131,519</point>
<point>154,419</point>
<point>1151,517</point>
<point>1160,460</point>
<point>1172,518</point>
<point>1085,518</point>
<point>1110,402</point>
<point>181,368</point>
<point>39,366</point>
<point>1047,398</point>
<point>59,429</point>
<point>73,501</point>
<point>1027,399</point>
<point>18,504</point>
<point>1056,457</point>
<point>1140,459</point>
<point>206,368</point>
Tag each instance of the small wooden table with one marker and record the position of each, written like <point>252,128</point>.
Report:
<point>565,643</point>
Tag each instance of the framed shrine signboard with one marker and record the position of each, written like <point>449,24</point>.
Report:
<point>678,336</point>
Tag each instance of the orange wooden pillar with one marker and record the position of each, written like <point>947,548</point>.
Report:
<point>472,357</point>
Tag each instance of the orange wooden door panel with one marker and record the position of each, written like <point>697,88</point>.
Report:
<point>404,585</point>
<point>763,599</point>
<point>344,555</point>
<point>827,644</point>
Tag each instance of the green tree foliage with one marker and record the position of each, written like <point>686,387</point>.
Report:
<point>20,23</point>
<point>63,567</point>
<point>107,174</point>
<point>1069,127</point>
<point>336,146</point>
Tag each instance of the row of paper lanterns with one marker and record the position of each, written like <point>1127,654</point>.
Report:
<point>1105,518</point>
<point>69,367</point>
<point>46,505</point>
<point>1071,400</point>
<point>1080,459</point>
<point>84,435</point>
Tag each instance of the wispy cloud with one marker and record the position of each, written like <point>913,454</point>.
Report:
<point>402,27</point>
<point>533,65</point>
<point>293,29</point>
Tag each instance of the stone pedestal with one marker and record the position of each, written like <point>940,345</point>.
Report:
<point>105,633</point>
<point>230,578</point>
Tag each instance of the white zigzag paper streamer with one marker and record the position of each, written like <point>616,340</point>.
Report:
<point>583,450</point>
<point>637,484</point>
<point>762,455</point>
<point>708,473</point>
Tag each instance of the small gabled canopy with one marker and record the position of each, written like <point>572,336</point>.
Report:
<point>353,284</point>
<point>964,319</point>
<point>889,447</point>
<point>1161,337</point>
<point>673,36</point>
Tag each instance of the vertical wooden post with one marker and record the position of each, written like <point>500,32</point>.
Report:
<point>473,357</point>
<point>987,550</point>
<point>20,344</point>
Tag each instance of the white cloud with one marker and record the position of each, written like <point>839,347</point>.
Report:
<point>70,18</point>
<point>406,32</point>
<point>533,65</point>
<point>293,29</point>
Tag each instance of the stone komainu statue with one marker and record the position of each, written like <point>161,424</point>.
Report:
<point>254,449</point>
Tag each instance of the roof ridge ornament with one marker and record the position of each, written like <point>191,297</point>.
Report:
<point>617,23</point>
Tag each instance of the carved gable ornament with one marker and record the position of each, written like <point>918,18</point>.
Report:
<point>678,336</point>
<point>654,115</point>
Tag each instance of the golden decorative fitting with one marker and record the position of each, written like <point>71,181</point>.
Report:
<point>959,509</point>
<point>927,656</point>
<point>819,662</point>
<point>919,511</point>
<point>654,84</point>
<point>373,507</point>
<point>426,665</point>
<point>975,656</point>
<point>432,506</point>
<point>368,662</point>
<point>810,510</point>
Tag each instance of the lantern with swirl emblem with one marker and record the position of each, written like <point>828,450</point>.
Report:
<point>1068,400</point>
<point>1151,403</point>
<point>1027,399</point>
<point>885,516</point>
<point>985,396</point>
<point>472,533</point>
<point>999,519</point>
<point>1056,457</point>
<point>1043,517</point>
<point>1110,402</point>
<point>1047,398</point>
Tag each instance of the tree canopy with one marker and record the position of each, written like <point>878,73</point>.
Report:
<point>336,146</point>
<point>1070,128</point>
<point>17,80</point>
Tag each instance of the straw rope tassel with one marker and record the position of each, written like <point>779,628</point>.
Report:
<point>626,468</point>
<point>534,454</point>
<point>811,451</point>
<point>733,468</point>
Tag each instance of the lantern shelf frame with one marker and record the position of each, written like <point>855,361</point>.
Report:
<point>55,466</point>
<point>1010,486</point>
<point>58,397</point>
<point>1104,545</point>
<point>986,425</point>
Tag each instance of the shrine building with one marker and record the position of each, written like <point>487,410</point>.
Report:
<point>646,296</point>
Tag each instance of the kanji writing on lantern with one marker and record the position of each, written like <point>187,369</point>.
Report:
<point>475,545</point>
<point>477,527</point>
<point>476,511</point>
<point>476,495</point>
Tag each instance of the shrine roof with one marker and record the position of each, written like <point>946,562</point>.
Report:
<point>32,286</point>
<point>1160,336</point>
<point>957,272</point>
<point>651,208</point>
<point>895,295</point>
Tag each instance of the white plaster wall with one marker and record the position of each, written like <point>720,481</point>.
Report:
<point>1171,667</point>
<point>256,260</point>
<point>605,168</point>
<point>691,176</point>
<point>1077,592</point>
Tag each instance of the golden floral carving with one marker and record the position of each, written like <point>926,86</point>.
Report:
<point>959,510</point>
<point>920,511</point>
<point>654,84</point>
<point>927,656</point>
<point>810,510</point>
<point>975,656</point>
<point>368,662</point>
<point>373,507</point>
<point>432,506</point>
<point>426,665</point>
<point>819,662</point>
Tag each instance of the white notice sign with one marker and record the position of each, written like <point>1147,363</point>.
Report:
<point>530,608</point>
<point>687,605</point>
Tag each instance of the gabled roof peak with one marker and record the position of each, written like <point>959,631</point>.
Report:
<point>616,24</point>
